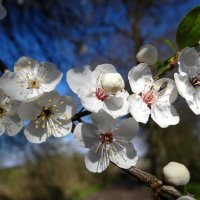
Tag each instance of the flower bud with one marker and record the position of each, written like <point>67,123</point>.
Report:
<point>147,54</point>
<point>176,174</point>
<point>186,198</point>
<point>112,82</point>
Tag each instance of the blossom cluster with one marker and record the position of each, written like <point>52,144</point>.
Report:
<point>28,94</point>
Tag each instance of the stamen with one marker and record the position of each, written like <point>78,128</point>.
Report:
<point>106,138</point>
<point>195,80</point>
<point>101,94</point>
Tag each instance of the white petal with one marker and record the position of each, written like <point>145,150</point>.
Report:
<point>2,127</point>
<point>35,135</point>
<point>167,90</point>
<point>97,161</point>
<point>138,108</point>
<point>117,105</point>
<point>13,125</point>
<point>23,62</point>
<point>49,98</point>
<point>164,115</point>
<point>86,135</point>
<point>102,69</point>
<point>3,12</point>
<point>195,103</point>
<point>62,128</point>
<point>185,89</point>
<point>52,77</point>
<point>139,76</point>
<point>189,61</point>
<point>91,103</point>
<point>124,157</point>
<point>103,121</point>
<point>126,129</point>
<point>27,110</point>
<point>80,79</point>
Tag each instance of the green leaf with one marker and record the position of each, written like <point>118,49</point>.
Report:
<point>188,32</point>
<point>169,44</point>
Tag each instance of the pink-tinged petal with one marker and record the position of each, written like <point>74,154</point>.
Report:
<point>35,135</point>
<point>188,61</point>
<point>138,108</point>
<point>81,79</point>
<point>164,115</point>
<point>97,159</point>
<point>126,129</point>
<point>124,157</point>
<point>103,121</point>
<point>185,89</point>
<point>140,77</point>
<point>86,135</point>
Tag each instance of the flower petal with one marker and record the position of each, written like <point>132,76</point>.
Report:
<point>2,127</point>
<point>188,61</point>
<point>195,103</point>
<point>126,129</point>
<point>103,121</point>
<point>164,115</point>
<point>167,90</point>
<point>139,76</point>
<point>97,161</point>
<point>13,125</point>
<point>117,105</point>
<point>86,135</point>
<point>35,135</point>
<point>91,103</point>
<point>3,11</point>
<point>138,108</point>
<point>52,76</point>
<point>185,89</point>
<point>27,110</point>
<point>102,69</point>
<point>124,157</point>
<point>81,79</point>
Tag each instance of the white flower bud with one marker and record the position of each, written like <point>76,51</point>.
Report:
<point>112,82</point>
<point>186,198</point>
<point>176,174</point>
<point>147,54</point>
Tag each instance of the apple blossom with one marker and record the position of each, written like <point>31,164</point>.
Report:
<point>176,174</point>
<point>147,54</point>
<point>97,92</point>
<point>186,197</point>
<point>48,115</point>
<point>188,78</point>
<point>10,123</point>
<point>152,97</point>
<point>107,142</point>
<point>30,79</point>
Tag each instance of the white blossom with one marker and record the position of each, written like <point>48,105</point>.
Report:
<point>176,174</point>
<point>188,78</point>
<point>147,54</point>
<point>48,115</point>
<point>94,97</point>
<point>186,197</point>
<point>107,142</point>
<point>10,123</point>
<point>152,97</point>
<point>30,79</point>
<point>3,11</point>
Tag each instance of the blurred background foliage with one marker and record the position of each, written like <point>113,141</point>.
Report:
<point>76,33</point>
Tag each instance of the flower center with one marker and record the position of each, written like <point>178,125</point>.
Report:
<point>2,111</point>
<point>101,94</point>
<point>106,138</point>
<point>195,81</point>
<point>149,97</point>
<point>35,83</point>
